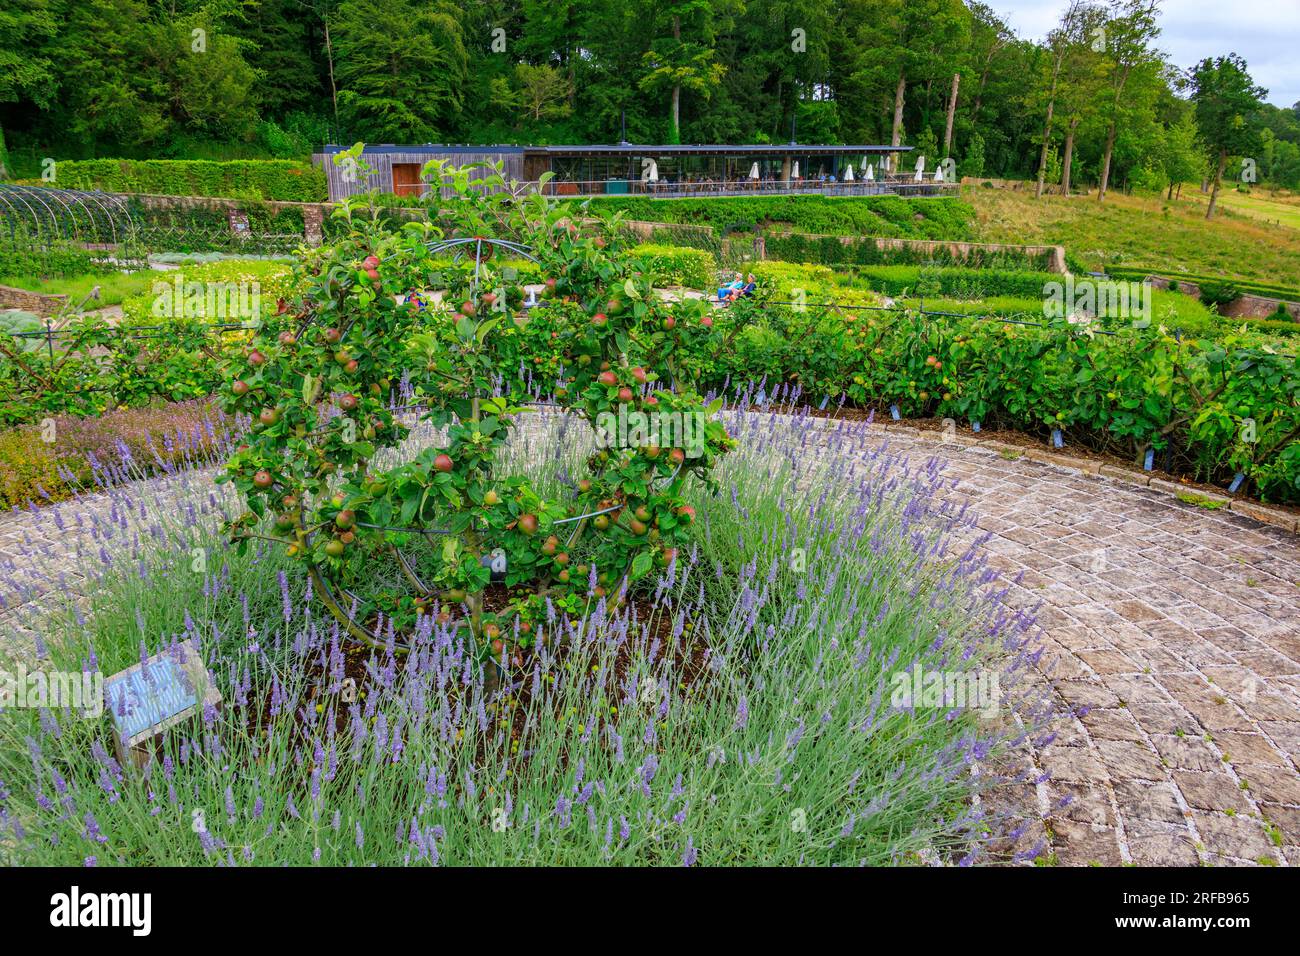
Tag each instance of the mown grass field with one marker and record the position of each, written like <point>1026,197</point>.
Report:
<point>1279,208</point>
<point>1141,231</point>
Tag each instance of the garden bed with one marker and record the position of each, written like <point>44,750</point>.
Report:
<point>775,740</point>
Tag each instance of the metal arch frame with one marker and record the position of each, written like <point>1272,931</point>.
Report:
<point>444,245</point>
<point>60,210</point>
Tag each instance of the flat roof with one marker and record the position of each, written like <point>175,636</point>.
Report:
<point>632,149</point>
<point>765,149</point>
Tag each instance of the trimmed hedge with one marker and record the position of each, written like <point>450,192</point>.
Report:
<point>894,216</point>
<point>278,179</point>
<point>831,250</point>
<point>953,282</point>
<point>678,265</point>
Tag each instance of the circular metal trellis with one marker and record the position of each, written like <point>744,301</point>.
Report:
<point>38,215</point>
<point>406,566</point>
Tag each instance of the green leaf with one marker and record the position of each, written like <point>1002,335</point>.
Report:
<point>641,565</point>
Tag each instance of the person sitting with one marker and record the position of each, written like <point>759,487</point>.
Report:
<point>737,289</point>
<point>728,292</point>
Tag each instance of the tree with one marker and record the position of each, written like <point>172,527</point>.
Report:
<point>904,42</point>
<point>1181,157</point>
<point>1133,69</point>
<point>543,91</point>
<point>1082,78</point>
<point>26,27</point>
<point>676,63</point>
<point>1226,100</point>
<point>205,87</point>
<point>1059,43</point>
<point>107,95</point>
<point>990,36</point>
<point>401,68</point>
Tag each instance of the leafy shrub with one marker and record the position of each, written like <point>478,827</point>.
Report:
<point>835,250</point>
<point>137,442</point>
<point>897,216</point>
<point>16,322</point>
<point>94,367</point>
<point>676,265</point>
<point>784,277</point>
<point>956,282</point>
<point>1219,293</point>
<point>267,279</point>
<point>1243,286</point>
<point>27,253</point>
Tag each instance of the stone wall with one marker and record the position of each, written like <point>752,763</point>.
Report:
<point>1245,307</point>
<point>36,302</point>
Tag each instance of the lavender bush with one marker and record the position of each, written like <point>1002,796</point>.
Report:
<point>744,711</point>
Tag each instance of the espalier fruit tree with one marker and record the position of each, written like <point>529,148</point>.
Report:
<point>399,320</point>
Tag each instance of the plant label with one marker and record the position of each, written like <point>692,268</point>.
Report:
<point>149,698</point>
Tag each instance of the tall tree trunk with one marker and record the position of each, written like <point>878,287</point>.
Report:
<point>334,90</point>
<point>1047,125</point>
<point>1105,161</point>
<point>896,137</point>
<point>1171,192</point>
<point>1047,139</point>
<point>1068,162</point>
<point>1218,178</point>
<point>675,134</point>
<point>952,111</point>
<point>979,94</point>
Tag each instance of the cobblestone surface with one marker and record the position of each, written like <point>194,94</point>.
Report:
<point>1172,632</point>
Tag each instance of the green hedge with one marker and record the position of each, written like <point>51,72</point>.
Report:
<point>23,253</point>
<point>678,265</point>
<point>896,216</point>
<point>953,282</point>
<point>278,179</point>
<point>831,250</point>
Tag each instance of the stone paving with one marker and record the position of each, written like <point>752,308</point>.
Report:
<point>1171,630</point>
<point>1174,632</point>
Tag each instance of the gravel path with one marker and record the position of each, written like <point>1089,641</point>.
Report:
<point>1171,629</point>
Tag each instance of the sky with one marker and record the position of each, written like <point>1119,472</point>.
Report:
<point>1265,32</point>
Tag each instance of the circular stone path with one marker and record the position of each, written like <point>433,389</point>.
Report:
<point>1171,633</point>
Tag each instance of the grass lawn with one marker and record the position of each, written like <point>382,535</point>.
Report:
<point>1142,231</point>
<point>113,288</point>
<point>1280,208</point>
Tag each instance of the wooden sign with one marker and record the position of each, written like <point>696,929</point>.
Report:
<point>149,698</point>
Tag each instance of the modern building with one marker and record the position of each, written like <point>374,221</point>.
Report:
<point>659,171</point>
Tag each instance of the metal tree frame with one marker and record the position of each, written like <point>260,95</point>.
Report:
<point>327,592</point>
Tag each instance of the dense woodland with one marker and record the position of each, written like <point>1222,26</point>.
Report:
<point>1095,103</point>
